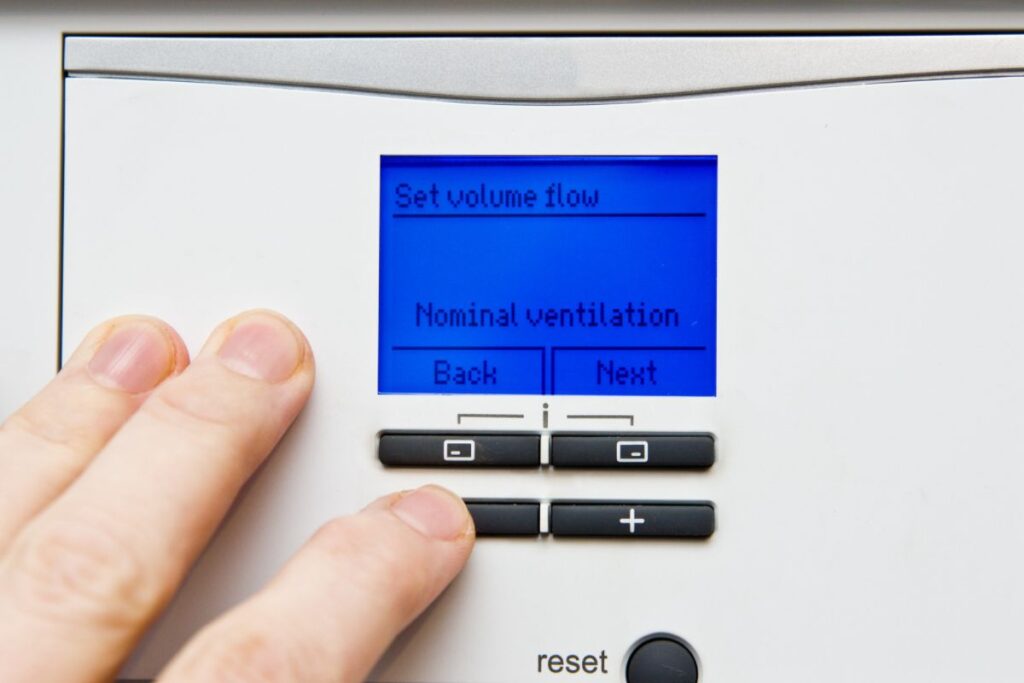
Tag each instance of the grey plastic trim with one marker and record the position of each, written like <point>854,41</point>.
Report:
<point>546,69</point>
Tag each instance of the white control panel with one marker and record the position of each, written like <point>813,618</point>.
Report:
<point>804,465</point>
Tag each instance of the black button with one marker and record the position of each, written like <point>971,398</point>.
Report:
<point>641,519</point>
<point>633,450</point>
<point>504,517</point>
<point>459,450</point>
<point>661,659</point>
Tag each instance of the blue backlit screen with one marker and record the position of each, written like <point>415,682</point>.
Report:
<point>548,275</point>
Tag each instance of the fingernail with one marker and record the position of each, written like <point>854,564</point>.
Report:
<point>262,348</point>
<point>434,512</point>
<point>134,358</point>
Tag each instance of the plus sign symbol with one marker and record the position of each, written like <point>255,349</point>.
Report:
<point>632,520</point>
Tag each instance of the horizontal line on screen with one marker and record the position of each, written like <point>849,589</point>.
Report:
<point>554,348</point>
<point>629,348</point>
<point>681,214</point>
<point>467,348</point>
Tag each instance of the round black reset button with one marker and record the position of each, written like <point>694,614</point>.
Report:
<point>661,659</point>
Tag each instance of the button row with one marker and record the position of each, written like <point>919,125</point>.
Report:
<point>609,519</point>
<point>406,449</point>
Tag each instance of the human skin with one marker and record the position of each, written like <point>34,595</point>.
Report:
<point>114,477</point>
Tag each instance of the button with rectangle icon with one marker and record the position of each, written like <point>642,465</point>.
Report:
<point>631,451</point>
<point>634,451</point>
<point>455,449</point>
<point>459,450</point>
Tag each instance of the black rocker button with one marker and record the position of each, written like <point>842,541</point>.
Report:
<point>402,449</point>
<point>633,451</point>
<point>633,520</point>
<point>493,517</point>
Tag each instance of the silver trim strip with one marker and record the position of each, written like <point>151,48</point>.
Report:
<point>546,69</point>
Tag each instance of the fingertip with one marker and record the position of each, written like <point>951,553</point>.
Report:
<point>264,345</point>
<point>131,353</point>
<point>434,512</point>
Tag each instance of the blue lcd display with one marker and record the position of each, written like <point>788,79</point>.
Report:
<point>548,275</point>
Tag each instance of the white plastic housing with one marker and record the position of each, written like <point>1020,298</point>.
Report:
<point>869,367</point>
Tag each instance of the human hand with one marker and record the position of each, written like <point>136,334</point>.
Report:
<point>114,477</point>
